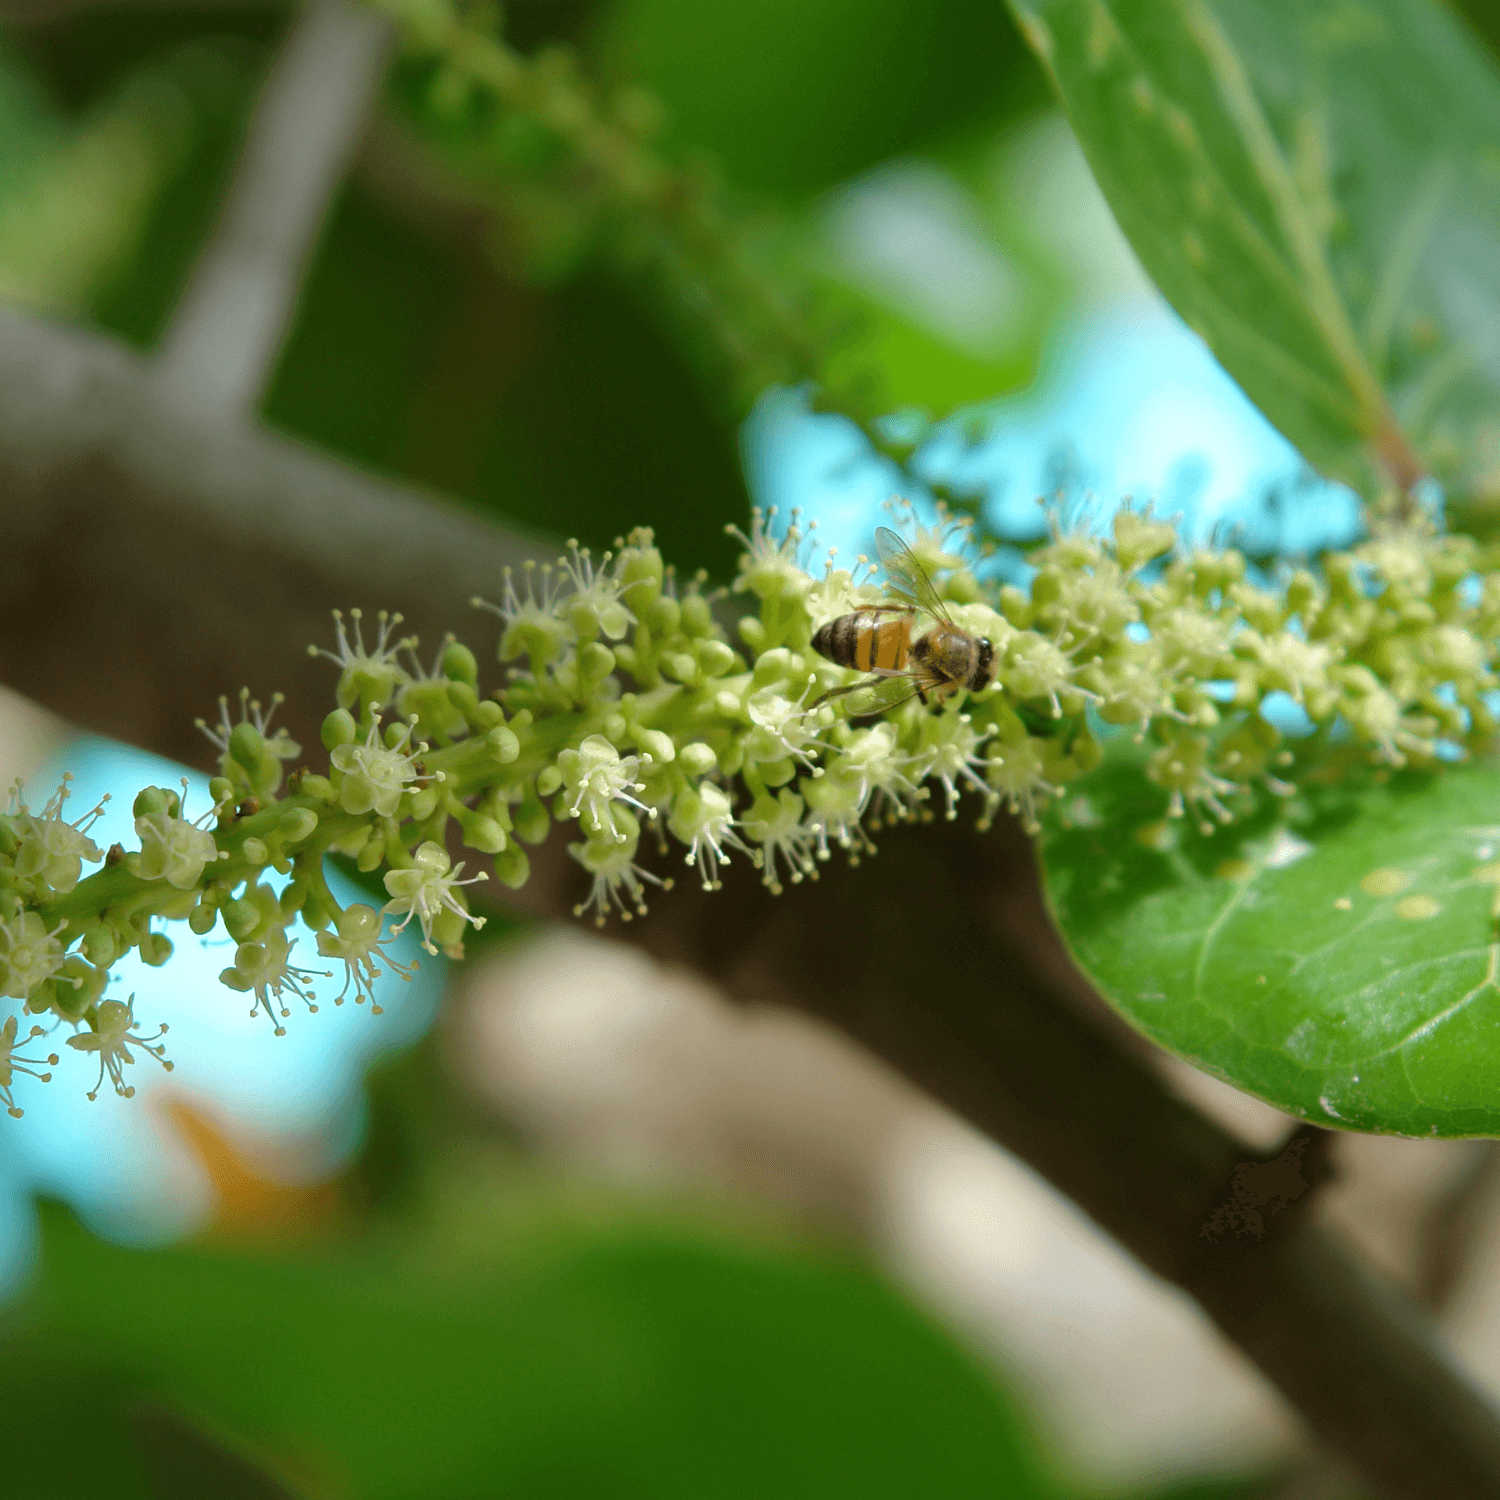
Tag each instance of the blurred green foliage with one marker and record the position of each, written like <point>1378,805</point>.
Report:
<point>566,410</point>
<point>187,80</point>
<point>790,98</point>
<point>555,1354</point>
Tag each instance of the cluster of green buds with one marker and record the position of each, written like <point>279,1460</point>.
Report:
<point>629,707</point>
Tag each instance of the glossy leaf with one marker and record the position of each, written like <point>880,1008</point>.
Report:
<point>1338,956</point>
<point>1315,187</point>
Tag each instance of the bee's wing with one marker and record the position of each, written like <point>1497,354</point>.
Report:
<point>878,693</point>
<point>906,577</point>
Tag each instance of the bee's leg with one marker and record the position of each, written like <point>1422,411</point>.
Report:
<point>839,692</point>
<point>922,694</point>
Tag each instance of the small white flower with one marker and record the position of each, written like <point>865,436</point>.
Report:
<point>871,759</point>
<point>112,1038</point>
<point>11,1063</point>
<point>772,564</point>
<point>360,941</point>
<point>835,809</point>
<point>596,775</point>
<point>173,849</point>
<point>264,968</point>
<point>1036,668</point>
<point>1293,666</point>
<point>837,592</point>
<point>595,598</point>
<point>426,888</point>
<point>941,547</point>
<point>29,954</point>
<point>704,820</point>
<point>951,753</point>
<point>617,880</point>
<point>50,848</point>
<point>279,744</point>
<point>783,728</point>
<point>530,614</point>
<point>775,823</point>
<point>376,773</point>
<point>374,674</point>
<point>1015,773</point>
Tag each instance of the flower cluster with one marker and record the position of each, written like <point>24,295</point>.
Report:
<point>627,706</point>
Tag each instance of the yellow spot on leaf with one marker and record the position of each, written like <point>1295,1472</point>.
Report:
<point>1385,882</point>
<point>1417,908</point>
<point>1343,904</point>
<point>1491,875</point>
<point>1235,869</point>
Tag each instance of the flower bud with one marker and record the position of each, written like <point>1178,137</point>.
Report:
<point>480,831</point>
<point>459,663</point>
<point>503,744</point>
<point>372,856</point>
<point>100,945</point>
<point>532,821</point>
<point>657,745</point>
<point>422,803</point>
<point>155,801</point>
<point>696,759</point>
<point>664,618</point>
<point>697,617</point>
<point>715,657</point>
<point>595,662</point>
<point>513,866</point>
<point>339,728</point>
<point>155,949</point>
<point>241,919</point>
<point>247,745</point>
<point>297,824</point>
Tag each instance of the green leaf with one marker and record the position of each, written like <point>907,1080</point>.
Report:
<point>1315,186</point>
<point>563,1356</point>
<point>1337,955</point>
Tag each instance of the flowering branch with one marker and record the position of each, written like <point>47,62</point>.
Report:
<point>628,708</point>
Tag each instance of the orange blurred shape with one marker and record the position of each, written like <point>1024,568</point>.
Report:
<point>249,1203</point>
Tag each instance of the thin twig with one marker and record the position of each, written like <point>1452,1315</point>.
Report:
<point>223,340</point>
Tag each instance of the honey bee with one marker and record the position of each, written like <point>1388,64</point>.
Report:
<point>876,638</point>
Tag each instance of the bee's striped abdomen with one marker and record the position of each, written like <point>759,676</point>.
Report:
<point>890,643</point>
<point>866,641</point>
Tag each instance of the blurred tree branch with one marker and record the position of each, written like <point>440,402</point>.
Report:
<point>222,342</point>
<point>157,558</point>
